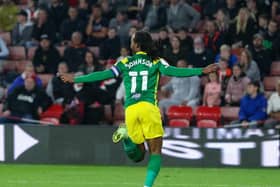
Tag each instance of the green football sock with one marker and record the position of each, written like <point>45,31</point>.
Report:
<point>153,169</point>
<point>132,150</point>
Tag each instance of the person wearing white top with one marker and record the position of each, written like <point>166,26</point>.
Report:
<point>273,108</point>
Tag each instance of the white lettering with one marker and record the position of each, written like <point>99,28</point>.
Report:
<point>26,98</point>
<point>178,135</point>
<point>230,152</point>
<point>253,132</point>
<point>181,149</point>
<point>270,153</point>
<point>229,134</point>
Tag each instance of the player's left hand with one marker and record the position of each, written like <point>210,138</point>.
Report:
<point>210,68</point>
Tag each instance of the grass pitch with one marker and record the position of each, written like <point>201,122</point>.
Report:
<point>103,176</point>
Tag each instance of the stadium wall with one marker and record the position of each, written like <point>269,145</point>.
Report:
<point>188,147</point>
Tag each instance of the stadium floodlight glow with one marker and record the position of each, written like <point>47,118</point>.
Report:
<point>2,144</point>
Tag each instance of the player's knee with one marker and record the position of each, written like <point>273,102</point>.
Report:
<point>139,158</point>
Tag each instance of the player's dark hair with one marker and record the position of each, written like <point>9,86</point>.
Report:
<point>145,42</point>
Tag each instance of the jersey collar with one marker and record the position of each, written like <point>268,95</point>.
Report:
<point>141,53</point>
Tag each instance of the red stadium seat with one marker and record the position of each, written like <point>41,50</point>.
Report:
<point>208,116</point>
<point>179,116</point>
<point>17,53</point>
<point>95,50</point>
<point>61,50</point>
<point>6,36</point>
<point>9,65</point>
<point>31,53</point>
<point>45,78</point>
<point>54,111</point>
<point>275,68</point>
<point>51,120</point>
<point>269,83</point>
<point>118,115</point>
<point>229,114</point>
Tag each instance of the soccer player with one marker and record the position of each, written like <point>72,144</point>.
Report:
<point>141,73</point>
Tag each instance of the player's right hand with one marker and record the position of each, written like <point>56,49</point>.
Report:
<point>67,77</point>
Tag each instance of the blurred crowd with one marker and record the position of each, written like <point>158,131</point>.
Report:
<point>84,36</point>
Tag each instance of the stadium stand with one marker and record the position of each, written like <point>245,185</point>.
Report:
<point>207,117</point>
<point>179,116</point>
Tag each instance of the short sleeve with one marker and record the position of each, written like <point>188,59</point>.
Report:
<point>118,67</point>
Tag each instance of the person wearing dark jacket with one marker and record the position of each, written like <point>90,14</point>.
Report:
<point>42,26</point>
<point>46,57</point>
<point>253,105</point>
<point>70,25</point>
<point>110,48</point>
<point>74,54</point>
<point>27,101</point>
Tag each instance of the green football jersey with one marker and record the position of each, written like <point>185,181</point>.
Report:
<point>140,76</point>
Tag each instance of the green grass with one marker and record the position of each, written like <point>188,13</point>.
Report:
<point>102,176</point>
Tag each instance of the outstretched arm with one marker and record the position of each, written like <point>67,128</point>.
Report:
<point>95,76</point>
<point>167,70</point>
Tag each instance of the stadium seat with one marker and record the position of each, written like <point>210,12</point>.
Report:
<point>108,116</point>
<point>17,53</point>
<point>9,65</point>
<point>118,115</point>
<point>237,52</point>
<point>229,114</point>
<point>51,120</point>
<point>31,53</point>
<point>269,83</point>
<point>207,117</point>
<point>20,65</point>
<point>61,50</point>
<point>95,50</point>
<point>54,111</point>
<point>275,68</point>
<point>45,78</point>
<point>179,116</point>
<point>6,36</point>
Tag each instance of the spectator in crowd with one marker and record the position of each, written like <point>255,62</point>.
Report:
<point>272,38</point>
<point>210,7</point>
<point>275,10</point>
<point>22,31</point>
<point>97,27</point>
<point>253,105</point>
<point>19,81</point>
<point>110,48</point>
<point>124,53</point>
<point>108,11</point>
<point>84,104</point>
<point>4,51</point>
<point>249,66</point>
<point>261,55</point>
<point>185,40</point>
<point>213,39</point>
<point>75,53</point>
<point>58,12</point>
<point>123,25</point>
<point>163,42</point>
<point>91,63</point>
<point>232,8</point>
<point>224,74</point>
<point>56,88</point>
<point>262,24</point>
<point>251,5</point>
<point>236,87</point>
<point>27,101</point>
<point>185,91</point>
<point>273,108</point>
<point>83,9</point>
<point>175,52</point>
<point>31,9</point>
<point>212,91</point>
<point>180,14</point>
<point>225,53</point>
<point>46,56</point>
<point>199,57</point>
<point>137,9</point>
<point>156,16</point>
<point>222,20</point>
<point>71,25</point>
<point>242,29</point>
<point>43,25</point>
